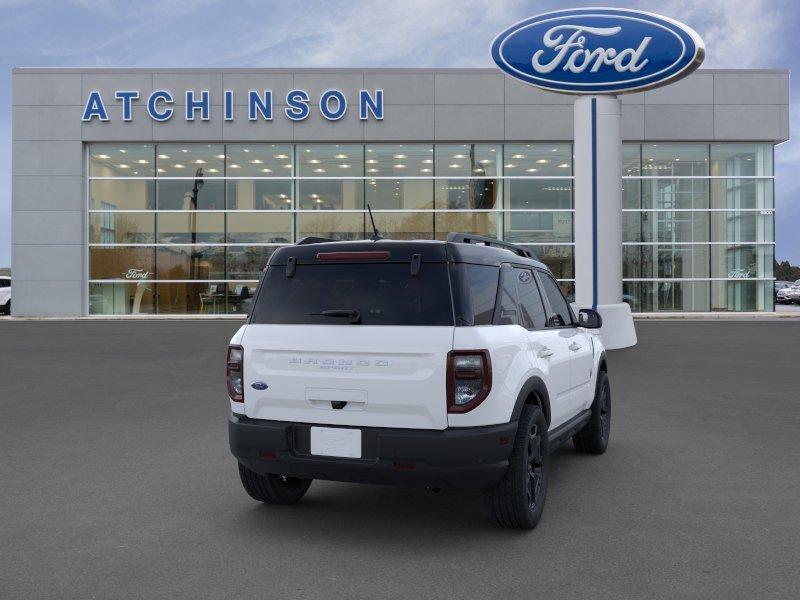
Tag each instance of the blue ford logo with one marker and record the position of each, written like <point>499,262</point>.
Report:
<point>259,385</point>
<point>598,50</point>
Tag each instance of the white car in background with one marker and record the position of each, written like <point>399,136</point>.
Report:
<point>5,294</point>
<point>790,294</point>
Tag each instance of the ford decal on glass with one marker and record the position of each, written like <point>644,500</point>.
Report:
<point>598,50</point>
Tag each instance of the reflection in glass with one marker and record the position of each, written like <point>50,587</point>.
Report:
<point>480,223</point>
<point>743,226</point>
<point>240,296</point>
<point>741,160</point>
<point>195,227</point>
<point>191,298</point>
<point>247,262</point>
<point>399,193</point>
<point>399,160</point>
<point>122,262</point>
<point>674,160</point>
<point>467,160</point>
<point>466,193</point>
<point>674,193</point>
<point>538,160</point>
<point>559,259</point>
<point>259,194</point>
<point>538,194</point>
<point>538,227</point>
<point>190,262</point>
<point>674,226</point>
<point>329,224</point>
<point>742,193</point>
<point>666,261</point>
<point>121,228</point>
<point>330,194</point>
<point>631,193</point>
<point>259,160</point>
<point>404,226</point>
<point>742,261</point>
<point>122,194</point>
<point>254,227</point>
<point>742,296</point>
<point>122,298</point>
<point>666,296</point>
<point>121,160</point>
<point>187,160</point>
<point>631,160</point>
<point>191,194</point>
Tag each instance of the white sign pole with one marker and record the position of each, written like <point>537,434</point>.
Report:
<point>598,217</point>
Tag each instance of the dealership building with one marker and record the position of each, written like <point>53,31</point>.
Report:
<point>164,192</point>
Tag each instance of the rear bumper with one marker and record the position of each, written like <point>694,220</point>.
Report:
<point>472,458</point>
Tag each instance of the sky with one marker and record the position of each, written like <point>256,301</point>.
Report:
<point>369,33</point>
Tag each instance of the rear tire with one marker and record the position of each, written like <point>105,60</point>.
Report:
<point>273,489</point>
<point>593,438</point>
<point>518,500</point>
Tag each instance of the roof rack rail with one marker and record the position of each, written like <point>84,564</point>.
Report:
<point>470,238</point>
<point>314,240</point>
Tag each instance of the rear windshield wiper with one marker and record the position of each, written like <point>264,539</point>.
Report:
<point>353,315</point>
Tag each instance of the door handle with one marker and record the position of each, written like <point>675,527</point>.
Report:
<point>545,352</point>
<point>574,346</point>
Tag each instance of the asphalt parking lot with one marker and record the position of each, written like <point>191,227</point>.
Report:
<point>116,482</point>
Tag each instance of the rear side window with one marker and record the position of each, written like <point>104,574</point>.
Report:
<point>557,301</point>
<point>530,300</point>
<point>507,313</point>
<point>380,293</point>
<point>474,293</point>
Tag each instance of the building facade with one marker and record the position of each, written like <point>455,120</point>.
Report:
<point>165,191</point>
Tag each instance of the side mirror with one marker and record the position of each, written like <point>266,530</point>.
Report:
<point>589,318</point>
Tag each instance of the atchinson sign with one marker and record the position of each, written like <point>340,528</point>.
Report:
<point>333,105</point>
<point>598,50</point>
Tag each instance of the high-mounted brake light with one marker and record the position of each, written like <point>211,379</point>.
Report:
<point>369,255</point>
<point>469,379</point>
<point>235,373</point>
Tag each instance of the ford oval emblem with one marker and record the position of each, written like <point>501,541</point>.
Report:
<point>259,385</point>
<point>598,50</point>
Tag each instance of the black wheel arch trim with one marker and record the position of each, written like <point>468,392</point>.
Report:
<point>534,385</point>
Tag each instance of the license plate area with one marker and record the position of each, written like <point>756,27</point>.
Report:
<point>336,441</point>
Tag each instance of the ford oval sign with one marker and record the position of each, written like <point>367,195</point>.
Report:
<point>598,50</point>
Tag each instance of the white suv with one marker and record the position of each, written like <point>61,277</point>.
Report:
<point>5,294</point>
<point>454,364</point>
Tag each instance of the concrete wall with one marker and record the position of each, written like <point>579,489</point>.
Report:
<point>48,197</point>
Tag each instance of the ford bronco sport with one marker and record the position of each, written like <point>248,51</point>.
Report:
<point>454,364</point>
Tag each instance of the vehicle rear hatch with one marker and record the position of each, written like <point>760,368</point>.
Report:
<point>351,334</point>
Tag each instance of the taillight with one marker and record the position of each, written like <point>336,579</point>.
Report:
<point>235,373</point>
<point>469,379</point>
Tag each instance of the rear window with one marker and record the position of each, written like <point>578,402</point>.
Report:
<point>475,292</point>
<point>380,294</point>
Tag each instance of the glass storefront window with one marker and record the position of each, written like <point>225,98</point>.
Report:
<point>674,226</point>
<point>121,160</point>
<point>742,193</point>
<point>190,262</point>
<point>330,160</point>
<point>538,194</point>
<point>538,227</point>
<point>631,160</point>
<point>405,194</point>
<point>665,261</point>
<point>675,160</point>
<point>741,160</point>
<point>122,194</point>
<point>743,226</point>
<point>331,224</point>
<point>478,194</point>
<point>191,194</point>
<point>255,227</point>
<point>666,296</point>
<point>122,298</point>
<point>403,226</point>
<point>742,261</point>
<point>114,227</point>
<point>259,194</point>
<point>631,193</point>
<point>484,223</point>
<point>136,263</point>
<point>247,262</point>
<point>259,160</point>
<point>467,160</point>
<point>399,160</point>
<point>537,160</point>
<point>674,193</point>
<point>192,160</point>
<point>330,194</point>
<point>240,296</point>
<point>559,259</point>
<point>192,227</point>
<point>742,296</point>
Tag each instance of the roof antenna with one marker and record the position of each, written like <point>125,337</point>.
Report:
<point>376,236</point>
